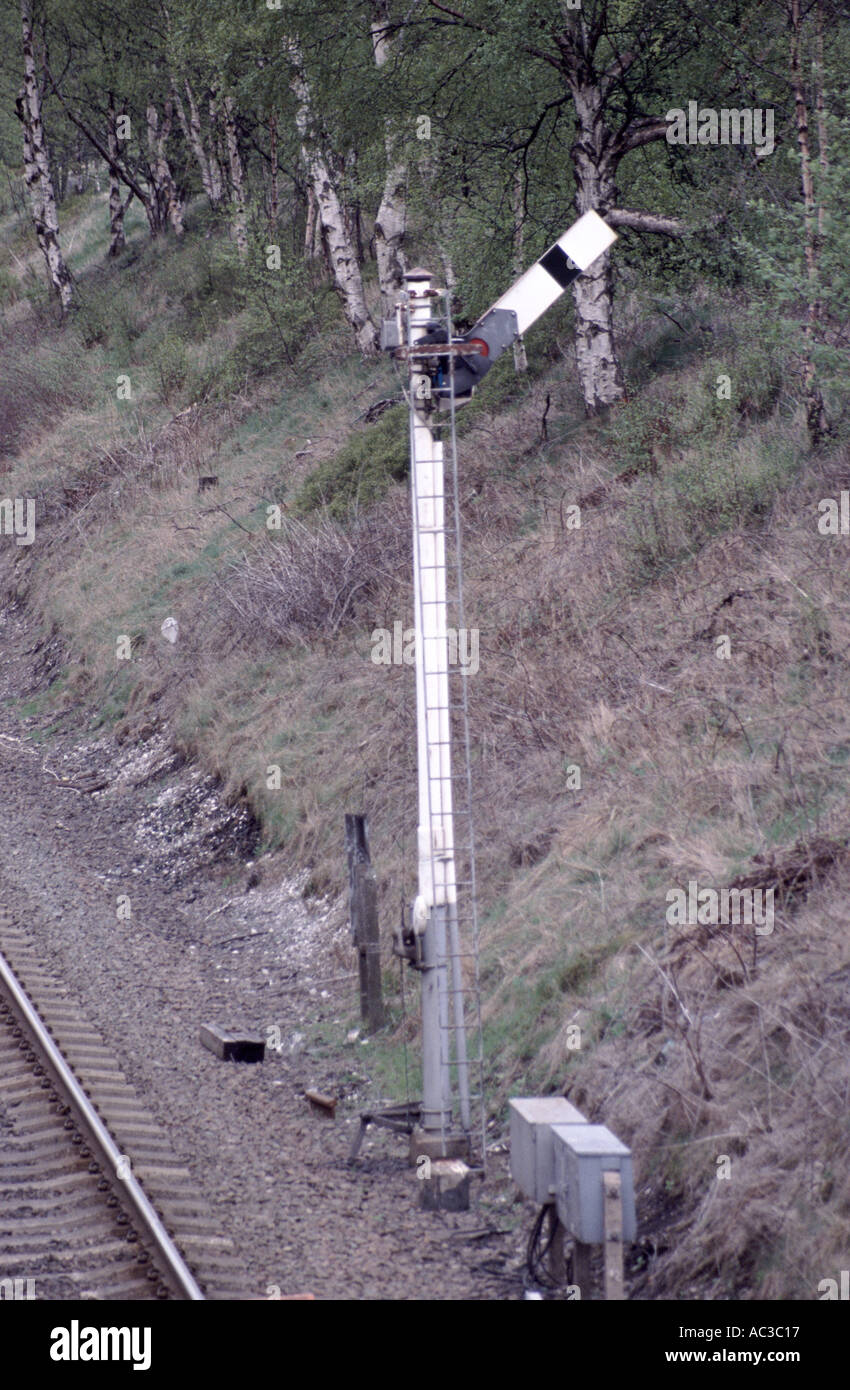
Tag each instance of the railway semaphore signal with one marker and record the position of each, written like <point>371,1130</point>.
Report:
<point>444,371</point>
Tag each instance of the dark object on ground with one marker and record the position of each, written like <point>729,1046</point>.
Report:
<point>230,1046</point>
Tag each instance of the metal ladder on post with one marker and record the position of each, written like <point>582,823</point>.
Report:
<point>450,822</point>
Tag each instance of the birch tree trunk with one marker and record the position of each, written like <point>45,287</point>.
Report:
<point>191,126</point>
<point>237,180</point>
<point>216,172</point>
<point>593,292</point>
<point>351,204</point>
<point>155,207</point>
<point>391,219</point>
<point>174,203</point>
<point>165,196</point>
<point>37,174</point>
<point>596,153</point>
<point>816,420</point>
<point>441,219</point>
<point>341,252</point>
<point>449,276</point>
<point>311,250</point>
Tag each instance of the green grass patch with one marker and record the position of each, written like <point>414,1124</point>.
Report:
<point>362,470</point>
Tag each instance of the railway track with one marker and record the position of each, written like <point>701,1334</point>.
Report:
<point>93,1201</point>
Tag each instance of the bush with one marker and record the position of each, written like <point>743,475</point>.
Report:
<point>171,365</point>
<point>758,376</point>
<point>638,429</point>
<point>315,579</point>
<point>92,314</point>
<point>721,486</point>
<point>361,471</point>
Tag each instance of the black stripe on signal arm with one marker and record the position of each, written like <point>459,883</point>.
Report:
<point>559,266</point>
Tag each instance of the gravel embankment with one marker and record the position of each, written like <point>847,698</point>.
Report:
<point>206,941</point>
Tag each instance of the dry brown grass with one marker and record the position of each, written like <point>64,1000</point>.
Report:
<point>750,1063</point>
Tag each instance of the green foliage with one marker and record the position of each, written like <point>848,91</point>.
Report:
<point>93,314</point>
<point>668,338</point>
<point>775,249</point>
<point>634,431</point>
<point>201,280</point>
<point>171,367</point>
<point>721,485</point>
<point>281,314</point>
<point>737,487</point>
<point>361,471</point>
<point>759,373</point>
<point>285,306</point>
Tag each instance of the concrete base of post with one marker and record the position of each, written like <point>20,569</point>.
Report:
<point>427,1144</point>
<point>445,1186</point>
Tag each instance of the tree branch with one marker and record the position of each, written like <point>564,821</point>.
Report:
<point>647,222</point>
<point>641,132</point>
<point>116,168</point>
<point>616,71</point>
<point>461,18</point>
<point>486,29</point>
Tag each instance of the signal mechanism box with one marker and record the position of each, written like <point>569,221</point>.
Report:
<point>532,1144</point>
<point>582,1154</point>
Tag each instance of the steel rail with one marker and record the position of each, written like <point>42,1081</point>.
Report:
<point>128,1189</point>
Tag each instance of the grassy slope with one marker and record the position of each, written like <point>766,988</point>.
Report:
<point>598,651</point>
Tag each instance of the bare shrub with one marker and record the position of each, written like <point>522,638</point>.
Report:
<point>314,578</point>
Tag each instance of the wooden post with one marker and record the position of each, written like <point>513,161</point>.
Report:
<point>613,1218</point>
<point>363,908</point>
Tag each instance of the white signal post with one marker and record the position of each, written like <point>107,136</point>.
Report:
<point>435,909</point>
<point>437,880</point>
